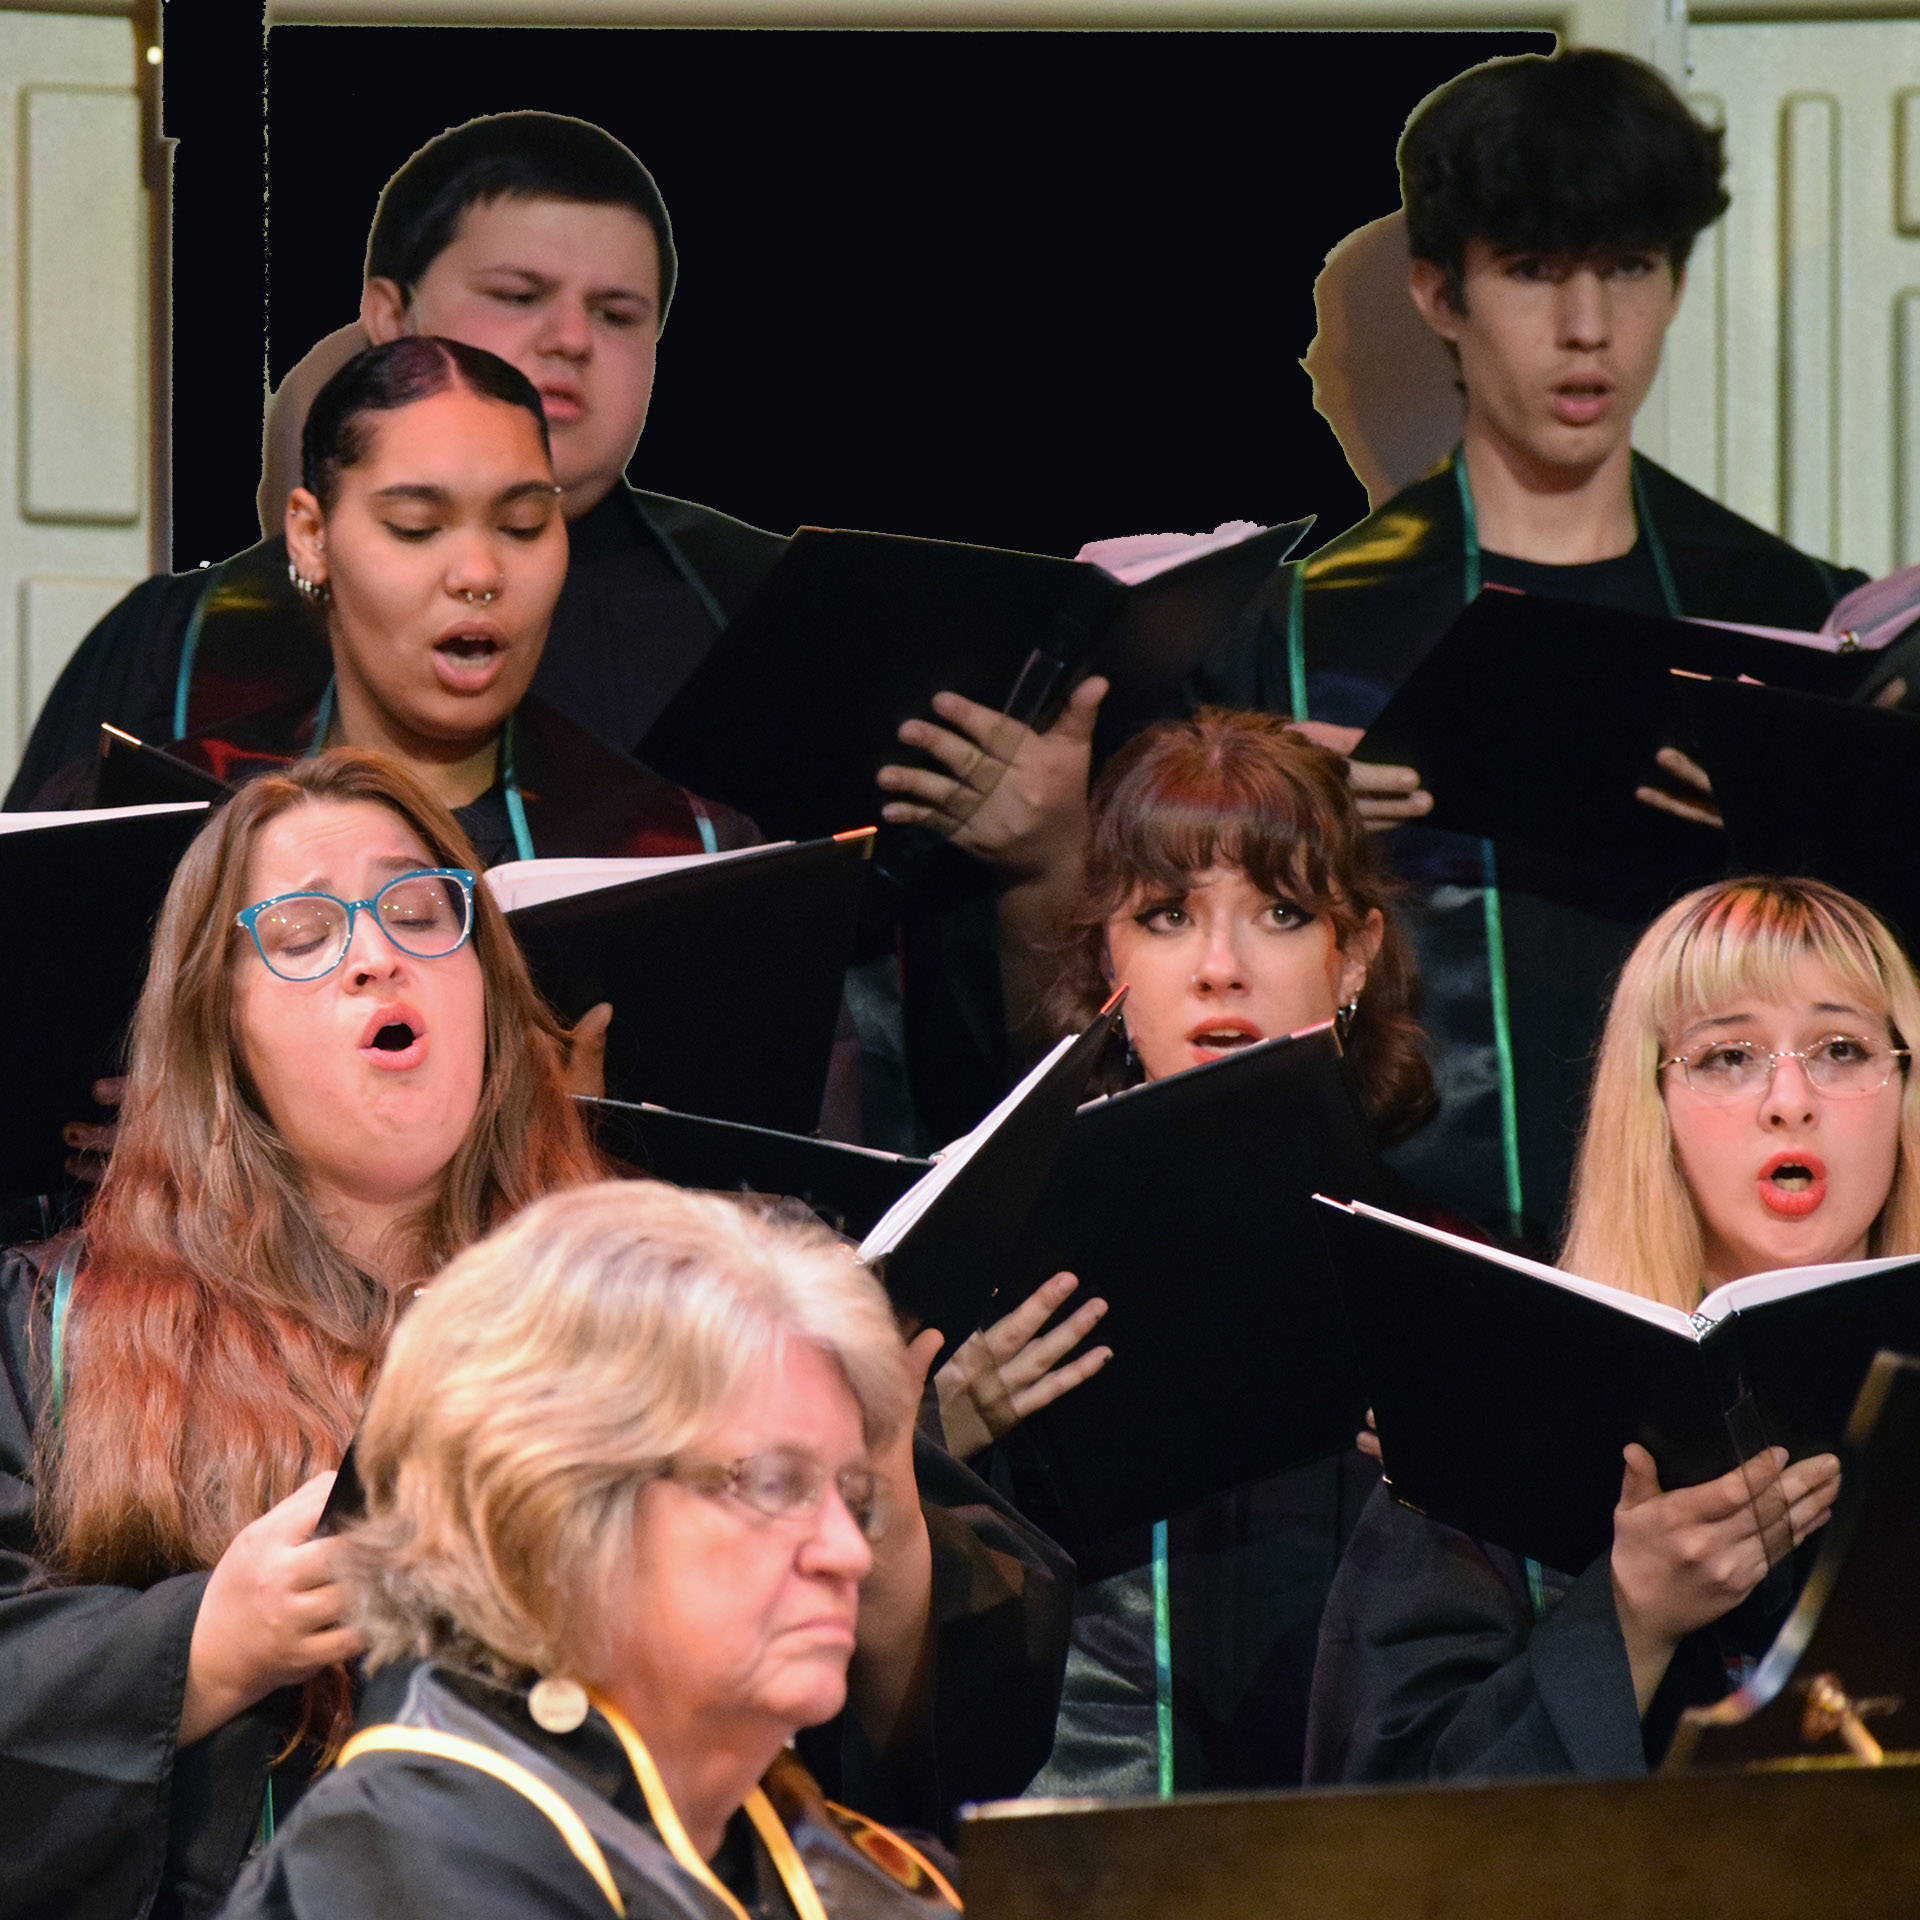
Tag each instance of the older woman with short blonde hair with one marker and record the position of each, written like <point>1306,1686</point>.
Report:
<point>620,1474</point>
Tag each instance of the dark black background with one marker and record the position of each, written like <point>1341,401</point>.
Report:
<point>1020,288</point>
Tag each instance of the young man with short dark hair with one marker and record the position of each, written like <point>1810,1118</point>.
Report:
<point>1551,206</point>
<point>544,240</point>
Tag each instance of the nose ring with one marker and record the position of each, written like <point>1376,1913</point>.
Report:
<point>485,599</point>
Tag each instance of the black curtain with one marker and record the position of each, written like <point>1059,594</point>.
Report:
<point>1020,288</point>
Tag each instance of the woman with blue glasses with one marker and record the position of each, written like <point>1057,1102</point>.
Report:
<point>340,1076</point>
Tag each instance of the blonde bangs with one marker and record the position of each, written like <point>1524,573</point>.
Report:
<point>1755,940</point>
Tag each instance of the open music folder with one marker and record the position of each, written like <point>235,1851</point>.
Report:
<point>1532,721</point>
<point>86,888</point>
<point>1505,1390</point>
<point>800,701</point>
<point>724,971</point>
<point>1187,1205</point>
<point>1811,785</point>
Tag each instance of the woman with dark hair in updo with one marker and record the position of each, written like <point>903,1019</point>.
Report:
<point>1229,883</point>
<point>427,533</point>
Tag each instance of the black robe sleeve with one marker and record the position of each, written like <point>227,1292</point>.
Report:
<point>100,1813</point>
<point>1002,1608</point>
<point>123,672</point>
<point>1432,1666</point>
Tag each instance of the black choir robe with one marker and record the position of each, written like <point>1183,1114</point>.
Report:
<point>103,1817</point>
<point>582,799</point>
<point>1437,1662</point>
<point>1374,602</point>
<point>396,1833</point>
<point>650,582</point>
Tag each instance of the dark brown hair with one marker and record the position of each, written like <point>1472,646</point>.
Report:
<point>1241,790</point>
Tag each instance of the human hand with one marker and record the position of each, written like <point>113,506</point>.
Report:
<point>1367,1440</point>
<point>1696,804</point>
<point>92,1142</point>
<point>1383,796</point>
<point>271,1615</point>
<point>999,1376</point>
<point>585,1071</point>
<point>1012,797</point>
<point>1682,1559</point>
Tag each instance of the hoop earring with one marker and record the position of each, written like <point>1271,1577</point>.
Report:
<point>314,592</point>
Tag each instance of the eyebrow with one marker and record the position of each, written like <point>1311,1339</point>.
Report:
<point>1725,1020</point>
<point>433,496</point>
<point>387,863</point>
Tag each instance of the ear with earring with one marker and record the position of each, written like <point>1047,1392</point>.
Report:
<point>313,591</point>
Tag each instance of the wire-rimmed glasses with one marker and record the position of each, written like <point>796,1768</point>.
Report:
<point>1840,1065</point>
<point>426,914</point>
<point>786,1484</point>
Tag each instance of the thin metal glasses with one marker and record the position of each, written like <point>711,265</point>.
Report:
<point>786,1485</point>
<point>1840,1065</point>
<point>427,914</point>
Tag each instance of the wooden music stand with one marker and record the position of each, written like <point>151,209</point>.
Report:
<point>1841,1683</point>
<point>1747,1846</point>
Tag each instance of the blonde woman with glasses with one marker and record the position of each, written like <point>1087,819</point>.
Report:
<point>1753,1108</point>
<point>621,1486</point>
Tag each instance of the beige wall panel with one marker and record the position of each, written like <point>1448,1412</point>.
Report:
<point>1815,260</point>
<point>1810,293</point>
<point>40,51</point>
<point>1906,428</point>
<point>1907,107</point>
<point>83,267</point>
<point>55,614</point>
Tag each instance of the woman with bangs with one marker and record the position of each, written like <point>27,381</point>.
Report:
<point>1229,883</point>
<point>1753,1108</point>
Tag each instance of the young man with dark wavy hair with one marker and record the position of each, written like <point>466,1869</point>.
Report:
<point>1551,206</point>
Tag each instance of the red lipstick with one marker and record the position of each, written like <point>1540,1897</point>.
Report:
<point>1792,1184</point>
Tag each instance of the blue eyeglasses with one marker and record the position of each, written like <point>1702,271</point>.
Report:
<point>426,914</point>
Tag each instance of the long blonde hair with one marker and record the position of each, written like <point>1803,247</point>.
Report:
<point>1634,1223</point>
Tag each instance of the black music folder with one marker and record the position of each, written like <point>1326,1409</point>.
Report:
<point>799,703</point>
<point>1810,785</point>
<point>724,971</point>
<point>1505,1390</point>
<point>1187,1205</point>
<point>85,889</point>
<point>1847,1651</point>
<point>134,774</point>
<point>943,1247</point>
<point>1533,720</point>
<point>849,1187</point>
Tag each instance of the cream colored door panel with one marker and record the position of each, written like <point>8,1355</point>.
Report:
<point>1793,376</point>
<point>74,514</point>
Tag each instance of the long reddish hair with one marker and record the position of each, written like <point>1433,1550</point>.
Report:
<point>219,1344</point>
<point>1241,790</point>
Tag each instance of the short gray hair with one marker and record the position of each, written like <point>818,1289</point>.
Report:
<point>544,1377</point>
